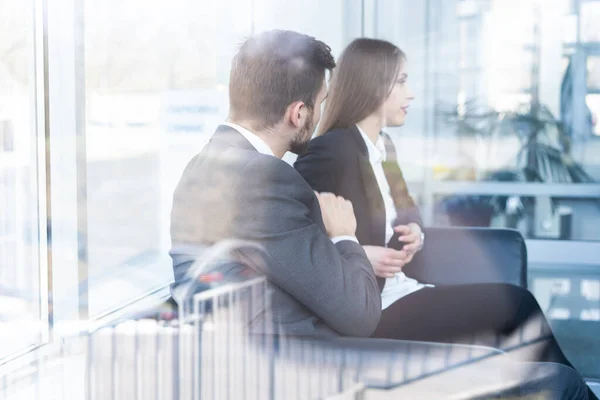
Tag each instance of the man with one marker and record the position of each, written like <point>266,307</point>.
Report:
<point>239,188</point>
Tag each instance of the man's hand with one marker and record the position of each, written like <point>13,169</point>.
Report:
<point>338,215</point>
<point>387,262</point>
<point>410,235</point>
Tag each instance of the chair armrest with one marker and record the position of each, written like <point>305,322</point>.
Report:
<point>471,255</point>
<point>381,364</point>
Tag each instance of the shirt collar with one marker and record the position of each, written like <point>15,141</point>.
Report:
<point>260,145</point>
<point>377,153</point>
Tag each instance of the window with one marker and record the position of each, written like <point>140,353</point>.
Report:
<point>155,90</point>
<point>593,72</point>
<point>136,88</point>
<point>590,13</point>
<point>130,101</point>
<point>22,192</point>
<point>475,68</point>
<point>593,102</point>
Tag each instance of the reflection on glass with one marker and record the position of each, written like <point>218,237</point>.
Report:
<point>541,217</point>
<point>467,8</point>
<point>593,72</point>
<point>590,15</point>
<point>569,32</point>
<point>19,232</point>
<point>565,297</point>
<point>593,102</point>
<point>155,90</point>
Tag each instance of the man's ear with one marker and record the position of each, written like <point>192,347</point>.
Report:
<point>296,113</point>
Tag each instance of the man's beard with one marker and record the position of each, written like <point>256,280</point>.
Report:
<point>301,140</point>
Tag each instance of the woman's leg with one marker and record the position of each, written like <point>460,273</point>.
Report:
<point>507,314</point>
<point>500,315</point>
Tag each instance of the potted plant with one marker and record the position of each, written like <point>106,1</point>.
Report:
<point>543,156</point>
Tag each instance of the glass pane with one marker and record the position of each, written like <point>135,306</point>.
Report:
<point>537,215</point>
<point>155,90</point>
<point>593,102</point>
<point>334,22</point>
<point>569,34</point>
<point>483,84</point>
<point>590,15</point>
<point>593,72</point>
<point>477,151</point>
<point>467,8</point>
<point>569,295</point>
<point>19,232</point>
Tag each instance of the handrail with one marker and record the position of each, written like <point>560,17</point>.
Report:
<point>214,355</point>
<point>564,190</point>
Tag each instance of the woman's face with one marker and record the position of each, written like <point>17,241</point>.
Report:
<point>395,107</point>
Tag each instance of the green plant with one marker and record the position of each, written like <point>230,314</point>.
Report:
<point>543,154</point>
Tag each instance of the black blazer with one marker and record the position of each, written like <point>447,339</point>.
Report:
<point>231,191</point>
<point>338,162</point>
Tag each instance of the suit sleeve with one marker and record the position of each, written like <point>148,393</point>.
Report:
<point>335,281</point>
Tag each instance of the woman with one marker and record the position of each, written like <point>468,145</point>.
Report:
<point>351,157</point>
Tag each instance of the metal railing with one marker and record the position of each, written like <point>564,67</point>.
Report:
<point>563,190</point>
<point>213,352</point>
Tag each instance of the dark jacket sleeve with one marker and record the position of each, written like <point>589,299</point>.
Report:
<point>337,281</point>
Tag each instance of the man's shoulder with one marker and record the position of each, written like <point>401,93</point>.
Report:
<point>215,159</point>
<point>246,167</point>
<point>275,173</point>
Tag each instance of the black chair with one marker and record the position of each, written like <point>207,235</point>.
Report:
<point>450,256</point>
<point>471,255</point>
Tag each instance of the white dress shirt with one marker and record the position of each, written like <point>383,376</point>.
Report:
<point>262,147</point>
<point>400,285</point>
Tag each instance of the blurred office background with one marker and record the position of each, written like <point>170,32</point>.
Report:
<point>102,103</point>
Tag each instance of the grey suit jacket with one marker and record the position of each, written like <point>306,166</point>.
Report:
<point>231,191</point>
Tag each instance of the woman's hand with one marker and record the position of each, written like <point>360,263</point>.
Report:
<point>387,262</point>
<point>410,235</point>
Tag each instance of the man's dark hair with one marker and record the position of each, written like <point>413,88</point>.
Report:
<point>273,70</point>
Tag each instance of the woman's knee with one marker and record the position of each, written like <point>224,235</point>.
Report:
<point>529,301</point>
<point>568,384</point>
<point>523,296</point>
<point>522,306</point>
<point>555,381</point>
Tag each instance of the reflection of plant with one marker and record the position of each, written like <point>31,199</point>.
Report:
<point>465,210</point>
<point>513,205</point>
<point>544,154</point>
